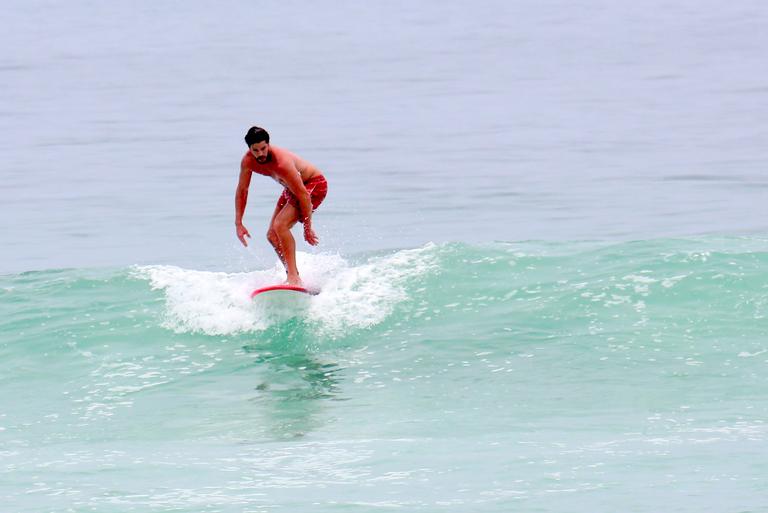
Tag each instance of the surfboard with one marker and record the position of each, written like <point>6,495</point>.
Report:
<point>283,288</point>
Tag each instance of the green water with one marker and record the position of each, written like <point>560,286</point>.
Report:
<point>526,376</point>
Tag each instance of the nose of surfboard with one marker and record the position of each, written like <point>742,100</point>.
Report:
<point>284,288</point>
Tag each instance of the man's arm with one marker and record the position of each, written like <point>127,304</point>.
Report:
<point>241,199</point>
<point>292,179</point>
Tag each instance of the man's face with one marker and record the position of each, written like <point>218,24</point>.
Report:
<point>260,150</point>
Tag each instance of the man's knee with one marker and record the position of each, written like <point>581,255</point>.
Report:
<point>280,226</point>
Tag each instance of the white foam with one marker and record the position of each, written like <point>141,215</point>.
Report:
<point>364,295</point>
<point>215,303</point>
<point>352,296</point>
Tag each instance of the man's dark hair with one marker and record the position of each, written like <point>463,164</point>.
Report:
<point>255,135</point>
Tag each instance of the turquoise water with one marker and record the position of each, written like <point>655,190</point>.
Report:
<point>542,260</point>
<point>500,377</point>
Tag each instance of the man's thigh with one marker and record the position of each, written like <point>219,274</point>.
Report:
<point>287,216</point>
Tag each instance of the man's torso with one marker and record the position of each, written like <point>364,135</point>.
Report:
<point>279,162</point>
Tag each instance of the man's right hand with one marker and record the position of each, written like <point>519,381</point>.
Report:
<point>242,233</point>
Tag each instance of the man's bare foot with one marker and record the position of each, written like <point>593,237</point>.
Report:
<point>294,281</point>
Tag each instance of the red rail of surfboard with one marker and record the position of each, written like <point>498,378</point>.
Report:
<point>294,288</point>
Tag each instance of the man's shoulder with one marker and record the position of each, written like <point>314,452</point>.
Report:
<point>247,160</point>
<point>284,159</point>
<point>278,153</point>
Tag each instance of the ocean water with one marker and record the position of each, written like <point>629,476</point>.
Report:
<point>534,377</point>
<point>543,258</point>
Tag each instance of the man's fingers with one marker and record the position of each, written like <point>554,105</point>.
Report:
<point>242,233</point>
<point>242,236</point>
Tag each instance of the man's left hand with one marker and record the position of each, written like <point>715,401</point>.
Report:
<point>309,235</point>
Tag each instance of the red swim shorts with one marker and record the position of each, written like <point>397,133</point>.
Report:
<point>317,188</point>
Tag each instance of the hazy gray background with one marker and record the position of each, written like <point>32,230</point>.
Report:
<point>122,123</point>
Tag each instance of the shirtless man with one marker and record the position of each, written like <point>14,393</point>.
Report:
<point>305,189</point>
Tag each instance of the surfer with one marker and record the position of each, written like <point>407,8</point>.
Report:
<point>305,189</point>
